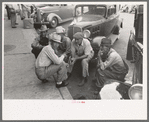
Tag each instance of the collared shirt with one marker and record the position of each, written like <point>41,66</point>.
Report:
<point>47,57</point>
<point>65,46</point>
<point>83,49</point>
<point>114,61</point>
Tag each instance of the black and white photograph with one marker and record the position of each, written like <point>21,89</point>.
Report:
<point>64,59</point>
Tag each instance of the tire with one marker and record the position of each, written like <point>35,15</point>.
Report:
<point>54,22</point>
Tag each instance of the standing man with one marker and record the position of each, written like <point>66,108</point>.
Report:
<point>65,46</point>
<point>25,11</point>
<point>48,63</point>
<point>81,50</point>
<point>40,41</point>
<point>110,64</point>
<point>14,9</point>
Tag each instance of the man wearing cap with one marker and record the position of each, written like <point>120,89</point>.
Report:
<point>65,46</point>
<point>49,64</point>
<point>110,64</point>
<point>81,50</point>
<point>40,41</point>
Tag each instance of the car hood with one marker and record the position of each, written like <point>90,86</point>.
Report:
<point>87,20</point>
<point>48,8</point>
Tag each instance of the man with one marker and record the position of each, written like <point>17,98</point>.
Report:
<point>25,11</point>
<point>14,9</point>
<point>40,41</point>
<point>49,64</point>
<point>8,11</point>
<point>110,64</point>
<point>65,46</point>
<point>81,50</point>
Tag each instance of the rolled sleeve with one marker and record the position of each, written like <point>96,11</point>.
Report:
<point>88,48</point>
<point>109,61</point>
<point>55,59</point>
<point>68,46</point>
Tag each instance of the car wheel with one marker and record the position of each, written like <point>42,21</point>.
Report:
<point>54,22</point>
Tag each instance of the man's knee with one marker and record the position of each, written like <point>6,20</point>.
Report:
<point>84,62</point>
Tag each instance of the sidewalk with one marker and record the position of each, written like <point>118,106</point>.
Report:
<point>20,81</point>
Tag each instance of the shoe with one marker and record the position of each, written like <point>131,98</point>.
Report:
<point>63,84</point>
<point>82,82</point>
<point>44,81</point>
<point>14,27</point>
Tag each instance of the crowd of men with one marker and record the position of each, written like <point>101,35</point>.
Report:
<point>56,55</point>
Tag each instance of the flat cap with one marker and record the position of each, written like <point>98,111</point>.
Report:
<point>106,42</point>
<point>78,35</point>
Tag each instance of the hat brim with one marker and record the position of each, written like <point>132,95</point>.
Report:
<point>57,41</point>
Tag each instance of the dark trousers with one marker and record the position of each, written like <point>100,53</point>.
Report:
<point>103,75</point>
<point>13,19</point>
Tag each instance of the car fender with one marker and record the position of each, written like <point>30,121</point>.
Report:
<point>97,41</point>
<point>51,15</point>
<point>116,28</point>
<point>131,41</point>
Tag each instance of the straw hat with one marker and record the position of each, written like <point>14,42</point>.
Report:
<point>60,29</point>
<point>55,37</point>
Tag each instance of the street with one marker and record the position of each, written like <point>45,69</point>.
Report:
<point>20,81</point>
<point>87,91</point>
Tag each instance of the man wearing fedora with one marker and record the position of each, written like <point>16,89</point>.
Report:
<point>49,64</point>
<point>110,64</point>
<point>65,46</point>
<point>40,41</point>
<point>81,50</point>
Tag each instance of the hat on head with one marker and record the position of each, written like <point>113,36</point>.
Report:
<point>78,35</point>
<point>55,37</point>
<point>60,29</point>
<point>43,28</point>
<point>106,42</point>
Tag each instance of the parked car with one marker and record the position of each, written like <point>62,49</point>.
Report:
<point>135,54</point>
<point>96,22</point>
<point>135,45</point>
<point>53,14</point>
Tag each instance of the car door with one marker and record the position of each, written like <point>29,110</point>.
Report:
<point>65,11</point>
<point>111,20</point>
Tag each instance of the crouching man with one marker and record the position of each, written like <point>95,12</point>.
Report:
<point>110,64</point>
<point>65,46</point>
<point>49,64</point>
<point>81,50</point>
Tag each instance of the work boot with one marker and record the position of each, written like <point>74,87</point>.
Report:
<point>82,82</point>
<point>63,84</point>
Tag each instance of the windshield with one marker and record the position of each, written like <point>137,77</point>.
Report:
<point>90,10</point>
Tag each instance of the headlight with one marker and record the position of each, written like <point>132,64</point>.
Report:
<point>86,33</point>
<point>135,92</point>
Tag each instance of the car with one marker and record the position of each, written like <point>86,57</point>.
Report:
<point>53,14</point>
<point>96,22</point>
<point>135,45</point>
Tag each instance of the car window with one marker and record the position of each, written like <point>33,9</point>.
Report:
<point>78,11</point>
<point>111,10</point>
<point>90,10</point>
